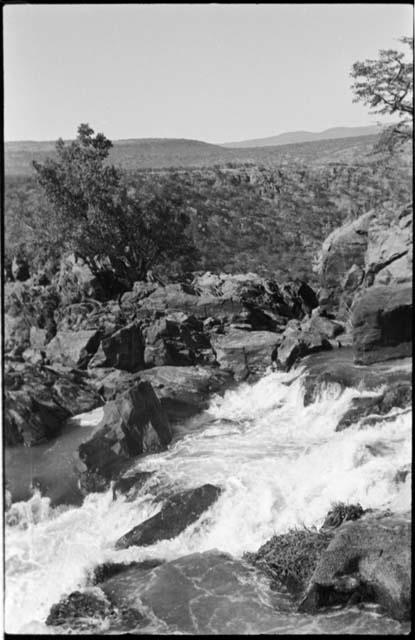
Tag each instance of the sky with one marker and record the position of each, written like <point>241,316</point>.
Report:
<point>212,72</point>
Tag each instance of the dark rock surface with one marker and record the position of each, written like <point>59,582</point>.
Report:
<point>374,554</point>
<point>176,515</point>
<point>38,400</point>
<point>382,323</point>
<point>201,593</point>
<point>184,391</point>
<point>134,423</point>
<point>244,352</point>
<point>73,348</point>
<point>124,349</point>
<point>397,395</point>
<point>337,368</point>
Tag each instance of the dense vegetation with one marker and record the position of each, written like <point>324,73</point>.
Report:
<point>269,219</point>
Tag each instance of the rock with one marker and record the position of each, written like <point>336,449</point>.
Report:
<point>398,395</point>
<point>344,249</point>
<point>30,421</point>
<point>176,515</point>
<point>73,348</point>
<point>300,339</point>
<point>375,549</point>
<point>140,291</point>
<point>77,282</point>
<point>130,485</point>
<point>124,349</point>
<point>176,339</point>
<point>38,338</point>
<point>20,269</point>
<point>244,352</point>
<point>337,369</point>
<point>90,611</point>
<point>389,252</point>
<point>382,323</point>
<point>185,391</point>
<point>16,333</point>
<point>38,400</point>
<point>134,423</point>
<point>109,383</point>
<point>207,593</point>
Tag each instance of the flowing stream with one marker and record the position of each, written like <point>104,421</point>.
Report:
<point>279,464</point>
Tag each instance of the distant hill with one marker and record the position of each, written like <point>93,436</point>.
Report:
<point>295,137</point>
<point>159,153</point>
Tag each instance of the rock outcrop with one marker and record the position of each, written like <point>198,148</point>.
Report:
<point>369,559</point>
<point>134,423</point>
<point>176,515</point>
<point>38,401</point>
<point>244,353</point>
<point>382,321</point>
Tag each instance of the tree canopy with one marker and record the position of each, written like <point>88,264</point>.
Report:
<point>386,86</point>
<point>100,218</point>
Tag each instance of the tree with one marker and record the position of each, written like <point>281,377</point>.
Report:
<point>100,218</point>
<point>386,85</point>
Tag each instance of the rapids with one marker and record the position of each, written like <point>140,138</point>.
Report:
<point>280,465</point>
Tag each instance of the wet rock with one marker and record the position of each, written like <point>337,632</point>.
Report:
<point>130,485</point>
<point>73,348</point>
<point>201,593</point>
<point>375,549</point>
<point>124,349</point>
<point>185,391</point>
<point>244,352</point>
<point>38,401</point>
<point>398,395</point>
<point>91,611</point>
<point>175,516</point>
<point>300,339</point>
<point>382,323</point>
<point>337,369</point>
<point>134,423</point>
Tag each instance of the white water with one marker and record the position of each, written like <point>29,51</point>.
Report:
<point>280,465</point>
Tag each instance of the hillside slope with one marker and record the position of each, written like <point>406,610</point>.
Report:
<point>157,153</point>
<point>294,137</point>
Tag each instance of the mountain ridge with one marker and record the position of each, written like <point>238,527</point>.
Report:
<point>297,137</point>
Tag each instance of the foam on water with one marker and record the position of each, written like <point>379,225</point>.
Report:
<point>279,464</point>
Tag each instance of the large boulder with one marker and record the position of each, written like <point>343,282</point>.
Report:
<point>176,339</point>
<point>38,400</point>
<point>302,338</point>
<point>343,250</point>
<point>30,421</point>
<point>176,515</point>
<point>73,348</point>
<point>389,252</point>
<point>371,557</point>
<point>382,323</point>
<point>244,353</point>
<point>198,594</point>
<point>134,423</point>
<point>185,391</point>
<point>124,349</point>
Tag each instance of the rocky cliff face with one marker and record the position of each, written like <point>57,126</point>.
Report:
<point>366,278</point>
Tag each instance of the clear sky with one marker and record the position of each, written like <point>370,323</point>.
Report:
<point>209,72</point>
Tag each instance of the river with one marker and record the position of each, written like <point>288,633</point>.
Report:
<point>279,464</point>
